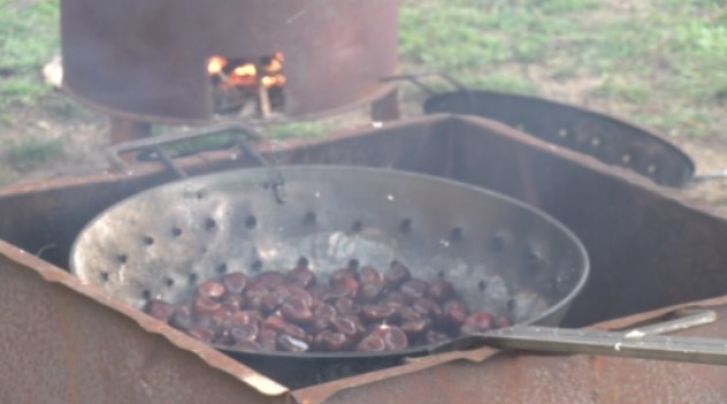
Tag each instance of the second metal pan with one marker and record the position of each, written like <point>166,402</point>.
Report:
<point>608,139</point>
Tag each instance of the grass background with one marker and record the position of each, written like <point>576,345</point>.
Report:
<point>659,63</point>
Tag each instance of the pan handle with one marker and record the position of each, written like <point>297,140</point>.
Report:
<point>638,343</point>
<point>711,176</point>
<point>243,134</point>
<point>415,78</point>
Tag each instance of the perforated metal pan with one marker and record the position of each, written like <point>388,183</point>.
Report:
<point>499,253</point>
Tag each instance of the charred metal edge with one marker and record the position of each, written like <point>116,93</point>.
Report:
<point>591,115</point>
<point>52,274</point>
<point>204,161</point>
<point>382,90</point>
<point>326,391</point>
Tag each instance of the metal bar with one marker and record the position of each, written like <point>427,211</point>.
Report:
<point>570,341</point>
<point>167,161</point>
<point>717,175</point>
<point>558,340</point>
<point>113,153</point>
<point>701,317</point>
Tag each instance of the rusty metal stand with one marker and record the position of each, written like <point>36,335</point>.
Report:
<point>386,108</point>
<point>124,130</point>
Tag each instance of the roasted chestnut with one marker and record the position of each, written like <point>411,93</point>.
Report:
<point>454,313</point>
<point>245,317</point>
<point>318,292</point>
<point>234,282</point>
<point>377,313</point>
<point>233,302</point>
<point>267,339</point>
<point>502,322</point>
<point>397,274</point>
<point>159,310</point>
<point>274,322</point>
<point>370,292</point>
<point>205,305</point>
<point>271,302</point>
<point>477,322</point>
<point>348,326</point>
<point>291,344</point>
<point>344,305</point>
<point>414,288</point>
<point>302,277</point>
<point>440,290</point>
<point>415,328</point>
<point>408,313</point>
<point>247,332</point>
<point>428,307</point>
<point>182,318</point>
<point>372,343</point>
<point>293,291</point>
<point>331,341</point>
<point>212,290</point>
<point>348,286</point>
<point>296,310</point>
<point>254,295</point>
<point>393,339</point>
<point>270,279</point>
<point>369,274</point>
<point>201,334</point>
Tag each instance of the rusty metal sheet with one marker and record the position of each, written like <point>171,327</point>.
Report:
<point>635,232</point>
<point>486,375</point>
<point>64,341</point>
<point>147,60</point>
<point>650,247</point>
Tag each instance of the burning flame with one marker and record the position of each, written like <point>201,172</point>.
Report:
<point>247,69</point>
<point>275,65</point>
<point>241,79</point>
<point>215,65</point>
<point>247,74</point>
<point>273,81</point>
<point>244,76</point>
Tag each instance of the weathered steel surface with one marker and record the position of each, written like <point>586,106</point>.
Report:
<point>648,246</point>
<point>61,341</point>
<point>635,232</point>
<point>146,59</point>
<point>649,249</point>
<point>463,377</point>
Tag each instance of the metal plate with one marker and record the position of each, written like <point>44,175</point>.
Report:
<point>500,254</point>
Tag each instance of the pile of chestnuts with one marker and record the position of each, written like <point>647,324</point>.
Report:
<point>360,309</point>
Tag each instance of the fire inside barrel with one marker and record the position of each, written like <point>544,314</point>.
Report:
<point>247,85</point>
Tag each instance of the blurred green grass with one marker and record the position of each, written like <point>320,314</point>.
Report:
<point>27,154</point>
<point>28,39</point>
<point>662,63</point>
